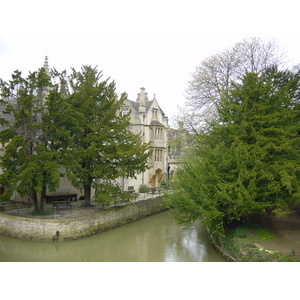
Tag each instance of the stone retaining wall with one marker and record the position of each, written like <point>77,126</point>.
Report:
<point>75,228</point>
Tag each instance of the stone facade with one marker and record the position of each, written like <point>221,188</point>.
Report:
<point>148,119</point>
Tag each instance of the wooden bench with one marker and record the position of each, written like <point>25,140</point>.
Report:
<point>152,190</point>
<point>66,204</point>
<point>62,197</point>
<point>2,205</point>
<point>14,202</point>
<point>131,190</point>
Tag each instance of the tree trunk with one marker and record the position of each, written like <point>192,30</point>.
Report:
<point>42,199</point>
<point>87,194</point>
<point>35,201</point>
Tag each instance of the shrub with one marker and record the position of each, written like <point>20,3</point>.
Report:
<point>143,188</point>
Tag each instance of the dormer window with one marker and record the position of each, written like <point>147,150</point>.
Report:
<point>125,111</point>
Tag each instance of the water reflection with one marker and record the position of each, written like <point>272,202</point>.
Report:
<point>193,246</point>
<point>153,239</point>
<point>188,242</point>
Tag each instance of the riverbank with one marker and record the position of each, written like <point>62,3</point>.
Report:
<point>75,223</point>
<point>270,239</point>
<point>261,241</point>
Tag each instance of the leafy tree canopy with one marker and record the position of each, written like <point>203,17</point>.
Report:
<point>30,161</point>
<point>104,148</point>
<point>247,161</point>
<point>76,122</point>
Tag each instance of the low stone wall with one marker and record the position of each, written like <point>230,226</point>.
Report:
<point>75,228</point>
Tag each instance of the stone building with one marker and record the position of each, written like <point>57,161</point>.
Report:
<point>149,119</point>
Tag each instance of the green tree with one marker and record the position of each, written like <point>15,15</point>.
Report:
<point>104,148</point>
<point>248,161</point>
<point>30,161</point>
<point>36,137</point>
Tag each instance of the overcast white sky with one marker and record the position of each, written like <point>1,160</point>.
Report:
<point>154,44</point>
<point>151,44</point>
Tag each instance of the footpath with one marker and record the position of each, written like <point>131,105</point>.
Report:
<point>287,232</point>
<point>272,239</point>
<point>77,210</point>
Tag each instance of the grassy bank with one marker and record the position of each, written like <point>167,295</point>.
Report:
<point>242,244</point>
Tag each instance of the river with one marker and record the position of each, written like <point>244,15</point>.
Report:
<point>157,238</point>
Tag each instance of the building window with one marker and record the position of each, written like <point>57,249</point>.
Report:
<point>158,155</point>
<point>157,134</point>
<point>154,114</point>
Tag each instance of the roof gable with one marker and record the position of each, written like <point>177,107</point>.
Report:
<point>149,104</point>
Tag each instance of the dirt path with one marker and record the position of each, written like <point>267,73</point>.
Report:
<point>288,231</point>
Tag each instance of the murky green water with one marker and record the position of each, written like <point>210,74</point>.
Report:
<point>154,239</point>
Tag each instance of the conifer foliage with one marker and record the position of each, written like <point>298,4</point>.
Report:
<point>104,148</point>
<point>246,162</point>
<point>81,130</point>
<point>30,163</point>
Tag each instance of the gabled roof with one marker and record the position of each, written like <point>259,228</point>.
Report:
<point>135,105</point>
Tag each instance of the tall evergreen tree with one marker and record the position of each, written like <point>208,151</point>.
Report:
<point>104,148</point>
<point>30,163</point>
<point>21,163</point>
<point>248,161</point>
